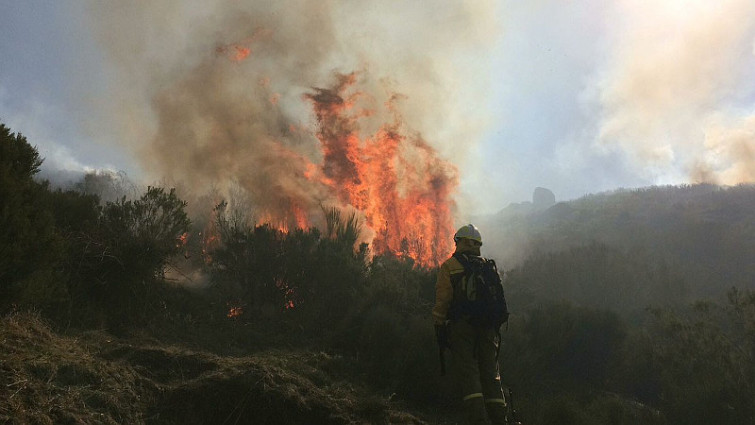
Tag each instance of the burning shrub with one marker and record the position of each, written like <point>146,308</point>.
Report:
<point>271,271</point>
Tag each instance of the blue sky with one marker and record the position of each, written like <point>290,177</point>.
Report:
<point>577,96</point>
<point>51,66</point>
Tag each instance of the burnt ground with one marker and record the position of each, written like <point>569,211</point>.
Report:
<point>95,378</point>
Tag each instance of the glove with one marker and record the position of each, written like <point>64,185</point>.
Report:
<point>441,335</point>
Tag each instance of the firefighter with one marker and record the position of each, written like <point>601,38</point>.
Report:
<point>474,349</point>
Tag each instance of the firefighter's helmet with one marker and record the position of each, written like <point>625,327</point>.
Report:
<point>468,232</point>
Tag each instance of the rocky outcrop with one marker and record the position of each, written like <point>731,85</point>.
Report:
<point>542,199</point>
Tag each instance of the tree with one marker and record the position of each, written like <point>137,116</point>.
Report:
<point>29,246</point>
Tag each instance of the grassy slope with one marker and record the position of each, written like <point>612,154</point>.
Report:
<point>94,378</point>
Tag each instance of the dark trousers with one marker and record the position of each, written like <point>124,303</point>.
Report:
<point>474,367</point>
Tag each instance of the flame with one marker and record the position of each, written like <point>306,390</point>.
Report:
<point>210,237</point>
<point>237,52</point>
<point>235,312</point>
<point>358,156</point>
<point>400,184</point>
<point>288,293</point>
<point>234,52</point>
<point>288,217</point>
<point>241,53</point>
<point>182,240</point>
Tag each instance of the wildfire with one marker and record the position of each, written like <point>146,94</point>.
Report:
<point>234,52</point>
<point>358,156</point>
<point>235,312</point>
<point>241,53</point>
<point>181,242</point>
<point>237,52</point>
<point>396,180</point>
<point>400,184</point>
<point>288,293</point>
<point>210,237</point>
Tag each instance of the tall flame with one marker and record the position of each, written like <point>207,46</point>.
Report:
<point>221,126</point>
<point>398,181</point>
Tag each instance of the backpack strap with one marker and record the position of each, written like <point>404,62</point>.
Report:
<point>454,311</point>
<point>465,261</point>
<point>461,258</point>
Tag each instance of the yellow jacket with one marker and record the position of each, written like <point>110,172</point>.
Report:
<point>451,270</point>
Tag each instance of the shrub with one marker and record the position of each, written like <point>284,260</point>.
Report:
<point>559,345</point>
<point>704,359</point>
<point>116,265</point>
<point>30,248</point>
<point>278,275</point>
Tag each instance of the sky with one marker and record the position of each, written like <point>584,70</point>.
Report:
<point>578,96</point>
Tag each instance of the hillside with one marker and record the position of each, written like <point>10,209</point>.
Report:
<point>702,234</point>
<point>97,378</point>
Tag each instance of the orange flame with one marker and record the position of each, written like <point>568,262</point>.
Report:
<point>400,184</point>
<point>288,293</point>
<point>235,312</point>
<point>182,240</point>
<point>237,52</point>
<point>397,181</point>
<point>234,52</point>
<point>210,237</point>
<point>393,177</point>
<point>241,53</point>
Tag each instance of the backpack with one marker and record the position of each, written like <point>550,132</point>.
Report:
<point>478,295</point>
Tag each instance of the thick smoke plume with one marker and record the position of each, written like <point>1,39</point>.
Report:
<point>677,88</point>
<point>302,105</point>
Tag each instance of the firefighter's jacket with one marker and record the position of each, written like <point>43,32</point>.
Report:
<point>449,274</point>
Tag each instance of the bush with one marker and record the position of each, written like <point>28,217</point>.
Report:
<point>559,346</point>
<point>704,361</point>
<point>30,248</point>
<point>117,264</point>
<point>280,276</point>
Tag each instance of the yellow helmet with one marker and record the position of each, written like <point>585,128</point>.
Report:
<point>468,232</point>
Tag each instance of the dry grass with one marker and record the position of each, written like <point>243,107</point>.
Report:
<point>48,379</point>
<point>93,378</point>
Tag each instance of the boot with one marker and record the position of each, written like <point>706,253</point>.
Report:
<point>475,410</point>
<point>496,412</point>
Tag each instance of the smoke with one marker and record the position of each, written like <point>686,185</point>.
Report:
<point>218,95</point>
<point>677,88</point>
<point>729,151</point>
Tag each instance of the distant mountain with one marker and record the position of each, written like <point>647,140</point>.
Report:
<point>703,233</point>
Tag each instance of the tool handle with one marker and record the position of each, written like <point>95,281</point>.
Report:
<point>442,361</point>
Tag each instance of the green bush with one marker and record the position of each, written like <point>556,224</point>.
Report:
<point>30,248</point>
<point>704,358</point>
<point>117,265</point>
<point>560,346</point>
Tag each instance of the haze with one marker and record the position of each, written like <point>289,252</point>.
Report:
<point>576,96</point>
